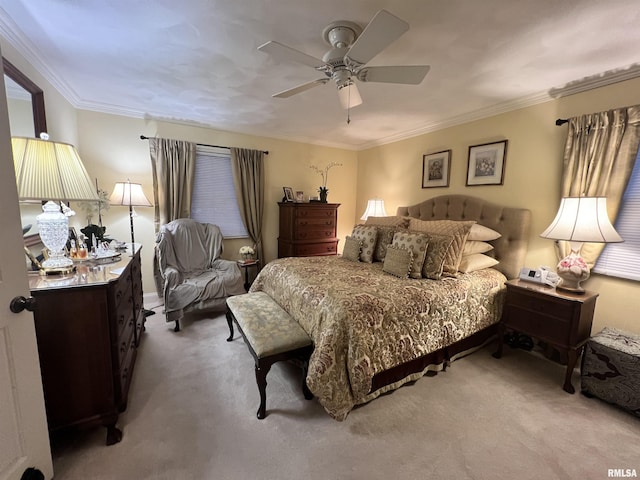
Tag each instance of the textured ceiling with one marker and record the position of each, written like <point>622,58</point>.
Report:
<point>196,61</point>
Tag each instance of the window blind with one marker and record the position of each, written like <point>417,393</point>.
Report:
<point>214,198</point>
<point>623,259</point>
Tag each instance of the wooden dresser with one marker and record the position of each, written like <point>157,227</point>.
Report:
<point>308,229</point>
<point>88,326</point>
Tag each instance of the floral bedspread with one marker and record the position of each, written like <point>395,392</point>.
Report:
<point>364,321</point>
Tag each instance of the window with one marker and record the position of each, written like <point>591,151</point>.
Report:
<point>214,198</point>
<point>623,259</point>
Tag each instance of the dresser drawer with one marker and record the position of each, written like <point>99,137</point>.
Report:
<point>554,307</point>
<point>311,249</point>
<point>315,234</point>
<point>122,289</point>
<point>315,212</point>
<point>548,328</point>
<point>125,340</point>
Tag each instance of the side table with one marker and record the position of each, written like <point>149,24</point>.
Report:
<point>563,320</point>
<point>246,265</point>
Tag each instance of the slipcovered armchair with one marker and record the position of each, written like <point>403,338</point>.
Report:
<point>189,273</point>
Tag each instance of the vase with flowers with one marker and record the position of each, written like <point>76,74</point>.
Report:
<point>247,253</point>
<point>324,173</point>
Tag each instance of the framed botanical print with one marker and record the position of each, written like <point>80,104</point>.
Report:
<point>288,194</point>
<point>486,163</point>
<point>435,169</point>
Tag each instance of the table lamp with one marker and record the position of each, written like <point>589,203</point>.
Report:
<point>51,171</point>
<point>375,208</point>
<point>131,195</point>
<point>579,220</point>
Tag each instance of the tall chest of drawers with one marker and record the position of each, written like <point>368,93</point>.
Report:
<point>88,326</point>
<point>308,229</point>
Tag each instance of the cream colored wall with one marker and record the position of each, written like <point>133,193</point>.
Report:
<point>112,151</point>
<point>532,170</point>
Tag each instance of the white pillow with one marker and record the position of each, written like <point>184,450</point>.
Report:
<point>475,246</point>
<point>482,233</point>
<point>477,261</point>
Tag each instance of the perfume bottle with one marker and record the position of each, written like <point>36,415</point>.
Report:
<point>73,251</point>
<point>82,248</point>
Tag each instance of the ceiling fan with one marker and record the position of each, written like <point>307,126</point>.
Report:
<point>351,49</point>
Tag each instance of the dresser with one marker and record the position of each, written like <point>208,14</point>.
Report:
<point>88,325</point>
<point>308,229</point>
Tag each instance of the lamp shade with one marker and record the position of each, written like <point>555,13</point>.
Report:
<point>582,219</point>
<point>50,171</point>
<point>127,193</point>
<point>375,208</point>
<point>349,96</point>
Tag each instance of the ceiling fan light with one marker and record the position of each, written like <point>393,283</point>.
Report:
<point>349,96</point>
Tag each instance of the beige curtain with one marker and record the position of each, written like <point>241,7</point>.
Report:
<point>173,163</point>
<point>247,167</point>
<point>598,159</point>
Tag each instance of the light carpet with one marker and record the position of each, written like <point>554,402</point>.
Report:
<point>193,400</point>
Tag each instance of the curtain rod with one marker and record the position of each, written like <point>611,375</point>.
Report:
<point>266,152</point>
<point>561,121</point>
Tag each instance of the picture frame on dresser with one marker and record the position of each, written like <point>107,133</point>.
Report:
<point>435,169</point>
<point>288,194</point>
<point>486,163</point>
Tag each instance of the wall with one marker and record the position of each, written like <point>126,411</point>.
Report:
<point>532,171</point>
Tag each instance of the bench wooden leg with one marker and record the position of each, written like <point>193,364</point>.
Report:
<point>261,379</point>
<point>229,316</point>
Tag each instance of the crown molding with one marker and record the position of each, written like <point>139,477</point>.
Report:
<point>596,81</point>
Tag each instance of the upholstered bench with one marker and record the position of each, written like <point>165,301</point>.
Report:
<point>271,335</point>
<point>611,368</point>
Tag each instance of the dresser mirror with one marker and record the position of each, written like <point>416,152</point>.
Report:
<point>25,102</point>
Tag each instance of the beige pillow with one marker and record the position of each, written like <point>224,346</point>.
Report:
<point>367,235</point>
<point>391,221</point>
<point>458,230</point>
<point>385,237</point>
<point>415,242</point>
<point>436,255</point>
<point>474,246</point>
<point>477,261</point>
<point>351,250</point>
<point>482,233</point>
<point>398,261</point>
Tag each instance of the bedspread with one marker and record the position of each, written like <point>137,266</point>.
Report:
<point>364,321</point>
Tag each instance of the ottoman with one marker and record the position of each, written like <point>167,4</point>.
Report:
<point>611,368</point>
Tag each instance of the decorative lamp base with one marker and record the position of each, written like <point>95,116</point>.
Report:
<point>573,270</point>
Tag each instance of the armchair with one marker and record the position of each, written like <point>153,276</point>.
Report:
<point>189,273</point>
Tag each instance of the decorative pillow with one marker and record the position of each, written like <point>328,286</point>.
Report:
<point>415,242</point>
<point>398,261</point>
<point>474,246</point>
<point>368,236</point>
<point>351,250</point>
<point>477,261</point>
<point>482,233</point>
<point>385,237</point>
<point>436,255</point>
<point>392,221</point>
<point>459,230</point>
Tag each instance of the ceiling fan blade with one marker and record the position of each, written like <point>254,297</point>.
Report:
<point>349,96</point>
<point>408,74</point>
<point>383,29</point>
<point>300,88</point>
<point>288,54</point>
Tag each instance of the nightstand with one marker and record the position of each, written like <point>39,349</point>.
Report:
<point>245,265</point>
<point>561,319</point>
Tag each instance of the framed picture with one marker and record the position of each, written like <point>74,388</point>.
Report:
<point>486,163</point>
<point>288,194</point>
<point>435,169</point>
<point>299,197</point>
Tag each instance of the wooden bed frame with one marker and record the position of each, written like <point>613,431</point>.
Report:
<point>510,250</point>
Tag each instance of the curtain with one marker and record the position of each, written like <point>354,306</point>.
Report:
<point>247,167</point>
<point>598,160</point>
<point>173,164</point>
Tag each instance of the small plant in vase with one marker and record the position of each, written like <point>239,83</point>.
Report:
<point>247,253</point>
<point>324,173</point>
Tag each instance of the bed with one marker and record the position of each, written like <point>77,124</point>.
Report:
<point>374,332</point>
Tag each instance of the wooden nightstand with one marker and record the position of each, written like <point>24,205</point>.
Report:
<point>563,320</point>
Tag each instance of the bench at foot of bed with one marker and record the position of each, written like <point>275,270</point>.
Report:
<point>271,335</point>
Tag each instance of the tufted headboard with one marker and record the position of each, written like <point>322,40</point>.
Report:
<point>512,223</point>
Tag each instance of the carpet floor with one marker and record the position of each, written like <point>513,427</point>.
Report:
<point>193,399</point>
